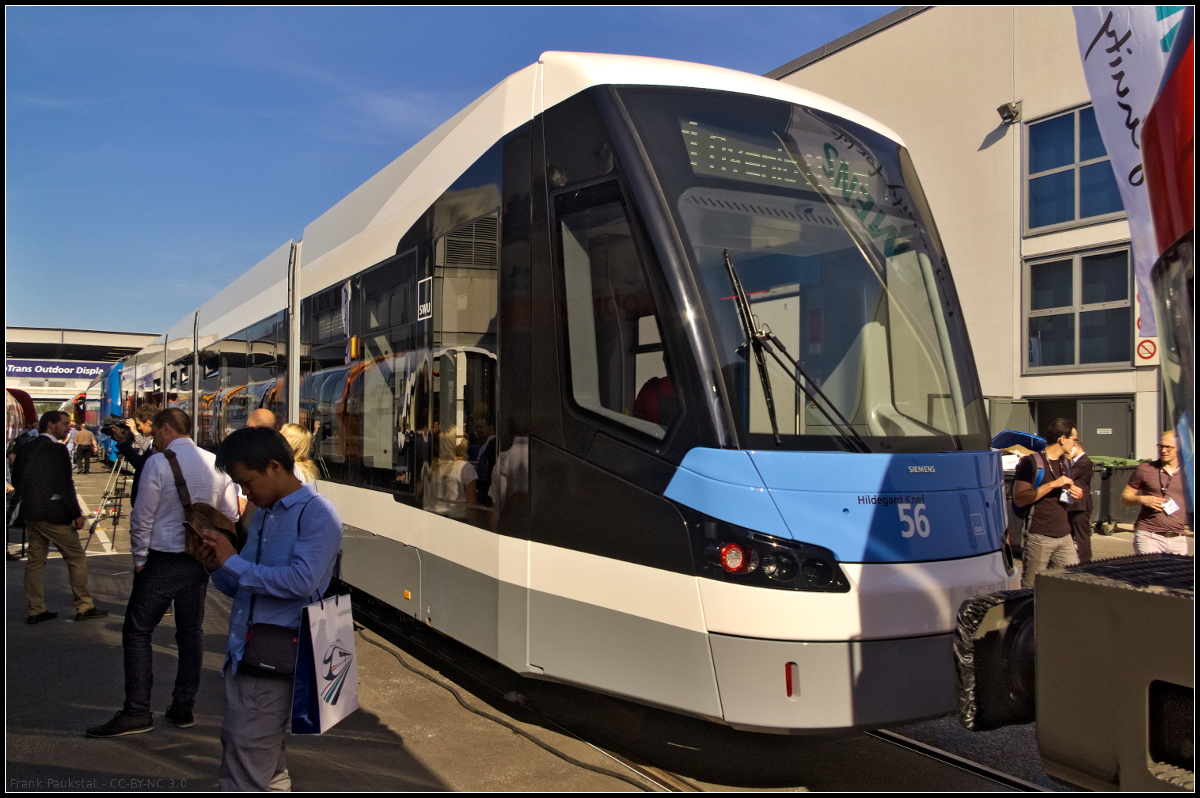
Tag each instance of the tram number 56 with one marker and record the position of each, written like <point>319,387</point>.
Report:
<point>915,522</point>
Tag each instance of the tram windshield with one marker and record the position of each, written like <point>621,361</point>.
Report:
<point>824,225</point>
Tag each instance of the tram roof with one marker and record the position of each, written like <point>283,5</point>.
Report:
<point>361,230</point>
<point>364,227</point>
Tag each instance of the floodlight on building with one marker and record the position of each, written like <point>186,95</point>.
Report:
<point>1010,113</point>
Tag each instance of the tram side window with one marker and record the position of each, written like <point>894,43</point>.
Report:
<point>323,389</point>
<point>618,366</point>
<point>464,384</point>
<point>261,365</point>
<point>385,373</point>
<point>210,385</point>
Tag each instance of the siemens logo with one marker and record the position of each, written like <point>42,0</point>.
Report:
<point>922,470</point>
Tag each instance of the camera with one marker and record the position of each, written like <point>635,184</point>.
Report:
<point>115,428</point>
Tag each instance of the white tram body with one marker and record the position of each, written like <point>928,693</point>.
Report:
<point>598,488</point>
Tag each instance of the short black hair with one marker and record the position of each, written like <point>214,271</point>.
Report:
<point>50,417</point>
<point>1059,428</point>
<point>174,418</point>
<point>255,448</point>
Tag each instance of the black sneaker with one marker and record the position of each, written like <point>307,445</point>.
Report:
<point>94,612</point>
<point>41,616</point>
<point>180,717</point>
<point>123,724</point>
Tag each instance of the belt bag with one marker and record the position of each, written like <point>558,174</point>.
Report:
<point>270,651</point>
<point>198,517</point>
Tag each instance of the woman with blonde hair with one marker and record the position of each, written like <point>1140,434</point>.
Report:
<point>454,478</point>
<point>300,440</point>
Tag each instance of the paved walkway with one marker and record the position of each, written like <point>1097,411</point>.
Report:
<point>407,735</point>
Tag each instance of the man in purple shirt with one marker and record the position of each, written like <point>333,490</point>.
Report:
<point>286,564</point>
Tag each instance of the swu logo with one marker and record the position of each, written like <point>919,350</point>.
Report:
<point>424,298</point>
<point>337,662</point>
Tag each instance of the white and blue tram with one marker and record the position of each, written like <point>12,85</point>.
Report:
<point>643,376</point>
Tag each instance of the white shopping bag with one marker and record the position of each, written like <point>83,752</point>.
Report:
<point>326,686</point>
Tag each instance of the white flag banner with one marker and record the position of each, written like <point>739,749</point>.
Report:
<point>1124,51</point>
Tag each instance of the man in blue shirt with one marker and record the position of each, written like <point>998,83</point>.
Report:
<point>286,564</point>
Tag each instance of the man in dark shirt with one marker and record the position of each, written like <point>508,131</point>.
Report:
<point>136,444</point>
<point>1080,510</point>
<point>1158,487</point>
<point>1048,539</point>
<point>50,509</point>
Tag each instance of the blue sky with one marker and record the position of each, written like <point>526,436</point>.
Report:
<point>153,155</point>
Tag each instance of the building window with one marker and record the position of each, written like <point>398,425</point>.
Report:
<point>1069,176</point>
<point>1078,313</point>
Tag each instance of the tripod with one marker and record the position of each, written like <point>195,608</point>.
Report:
<point>110,503</point>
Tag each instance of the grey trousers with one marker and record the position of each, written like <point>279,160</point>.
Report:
<point>257,714</point>
<point>1146,542</point>
<point>1041,551</point>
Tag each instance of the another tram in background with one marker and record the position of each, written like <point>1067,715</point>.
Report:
<point>19,413</point>
<point>638,375</point>
<point>101,399</point>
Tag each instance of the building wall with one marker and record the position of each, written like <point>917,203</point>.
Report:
<point>937,78</point>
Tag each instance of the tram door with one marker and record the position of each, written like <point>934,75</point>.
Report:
<point>613,602</point>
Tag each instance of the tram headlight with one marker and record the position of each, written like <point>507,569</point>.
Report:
<point>786,567</point>
<point>817,572</point>
<point>751,558</point>
<point>737,559</point>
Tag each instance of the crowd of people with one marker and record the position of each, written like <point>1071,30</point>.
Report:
<point>1055,486</point>
<point>259,481</point>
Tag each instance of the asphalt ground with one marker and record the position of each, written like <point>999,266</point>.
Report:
<point>408,734</point>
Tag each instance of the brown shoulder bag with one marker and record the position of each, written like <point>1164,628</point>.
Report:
<point>198,517</point>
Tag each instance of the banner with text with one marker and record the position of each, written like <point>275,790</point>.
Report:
<point>54,369</point>
<point>1124,51</point>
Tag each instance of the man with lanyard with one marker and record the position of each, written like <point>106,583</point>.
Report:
<point>1048,538</point>
<point>1158,488</point>
<point>286,564</point>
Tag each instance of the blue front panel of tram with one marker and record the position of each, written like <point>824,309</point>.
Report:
<point>863,507</point>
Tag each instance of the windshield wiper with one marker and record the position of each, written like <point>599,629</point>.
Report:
<point>754,342</point>
<point>762,339</point>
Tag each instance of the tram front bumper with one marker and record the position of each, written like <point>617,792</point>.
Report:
<point>834,685</point>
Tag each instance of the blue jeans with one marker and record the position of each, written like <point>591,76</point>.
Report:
<point>166,578</point>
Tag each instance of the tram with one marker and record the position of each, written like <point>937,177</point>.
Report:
<point>19,413</point>
<point>639,375</point>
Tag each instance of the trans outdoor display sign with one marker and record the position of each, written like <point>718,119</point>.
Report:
<point>54,369</point>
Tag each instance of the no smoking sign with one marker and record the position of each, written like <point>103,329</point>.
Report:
<point>1147,351</point>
